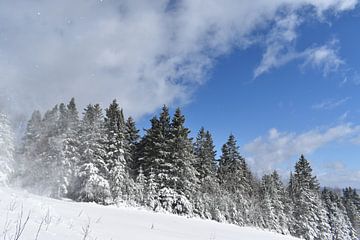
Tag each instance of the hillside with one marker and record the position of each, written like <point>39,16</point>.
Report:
<point>64,219</point>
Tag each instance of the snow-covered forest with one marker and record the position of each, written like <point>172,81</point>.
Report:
<point>101,157</point>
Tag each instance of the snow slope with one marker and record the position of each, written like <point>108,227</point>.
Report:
<point>66,220</point>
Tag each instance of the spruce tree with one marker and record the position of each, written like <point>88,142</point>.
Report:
<point>274,204</point>
<point>204,150</point>
<point>131,145</point>
<point>92,183</point>
<point>341,227</point>
<point>309,214</point>
<point>233,173</point>
<point>351,201</point>
<point>182,172</point>
<point>115,147</point>
<point>7,149</point>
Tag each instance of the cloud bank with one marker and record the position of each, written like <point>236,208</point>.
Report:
<point>144,53</point>
<point>266,152</point>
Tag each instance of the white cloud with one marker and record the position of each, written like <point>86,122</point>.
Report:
<point>330,104</point>
<point>280,50</point>
<point>337,174</point>
<point>324,57</point>
<point>277,147</point>
<point>145,53</point>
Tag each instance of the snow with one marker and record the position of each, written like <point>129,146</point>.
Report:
<point>64,219</point>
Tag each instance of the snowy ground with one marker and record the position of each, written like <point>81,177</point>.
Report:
<point>66,220</point>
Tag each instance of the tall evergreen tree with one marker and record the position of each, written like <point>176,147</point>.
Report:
<point>70,156</point>
<point>274,204</point>
<point>181,165</point>
<point>341,227</point>
<point>233,172</point>
<point>309,213</point>
<point>92,183</point>
<point>155,149</point>
<point>351,201</point>
<point>115,131</point>
<point>204,150</point>
<point>7,149</point>
<point>131,144</point>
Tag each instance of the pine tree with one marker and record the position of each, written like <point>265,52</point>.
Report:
<point>204,150</point>
<point>154,151</point>
<point>235,177</point>
<point>92,183</point>
<point>182,172</point>
<point>274,203</point>
<point>115,131</point>
<point>70,156</point>
<point>351,201</point>
<point>7,149</point>
<point>28,167</point>
<point>131,144</point>
<point>309,213</point>
<point>233,172</point>
<point>341,227</point>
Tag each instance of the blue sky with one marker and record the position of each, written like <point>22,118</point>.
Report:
<point>281,75</point>
<point>294,99</point>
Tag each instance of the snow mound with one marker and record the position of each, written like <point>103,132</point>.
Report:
<point>51,219</point>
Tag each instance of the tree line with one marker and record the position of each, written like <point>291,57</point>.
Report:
<point>102,158</point>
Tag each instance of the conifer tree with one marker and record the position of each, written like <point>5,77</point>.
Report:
<point>341,227</point>
<point>92,183</point>
<point>233,172</point>
<point>154,153</point>
<point>70,156</point>
<point>204,150</point>
<point>7,149</point>
<point>131,144</point>
<point>115,147</point>
<point>309,213</point>
<point>274,204</point>
<point>182,172</point>
<point>27,165</point>
<point>351,201</point>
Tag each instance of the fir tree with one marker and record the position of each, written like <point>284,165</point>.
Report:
<point>7,149</point>
<point>341,227</point>
<point>351,201</point>
<point>274,204</point>
<point>233,172</point>
<point>204,150</point>
<point>115,131</point>
<point>92,183</point>
<point>309,214</point>
<point>182,172</point>
<point>131,144</point>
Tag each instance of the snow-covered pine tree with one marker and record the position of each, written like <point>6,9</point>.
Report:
<point>7,149</point>
<point>274,202</point>
<point>131,143</point>
<point>49,152</point>
<point>67,166</point>
<point>233,172</point>
<point>341,227</point>
<point>310,219</point>
<point>235,176</point>
<point>205,153</point>
<point>182,173</point>
<point>206,166</point>
<point>154,150</point>
<point>115,146</point>
<point>28,169</point>
<point>351,201</point>
<point>92,183</point>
